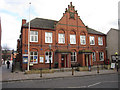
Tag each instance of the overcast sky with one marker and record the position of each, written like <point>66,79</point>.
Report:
<point>100,15</point>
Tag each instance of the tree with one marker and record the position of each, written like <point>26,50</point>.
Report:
<point>5,52</point>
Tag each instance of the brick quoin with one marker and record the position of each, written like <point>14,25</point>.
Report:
<point>69,24</point>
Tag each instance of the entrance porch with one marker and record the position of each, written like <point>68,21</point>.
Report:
<point>63,58</point>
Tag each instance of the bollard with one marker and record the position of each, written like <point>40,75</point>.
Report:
<point>40,72</point>
<point>97,69</point>
<point>117,67</point>
<point>72,71</point>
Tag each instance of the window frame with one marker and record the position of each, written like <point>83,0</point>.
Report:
<point>71,42</point>
<point>33,57</point>
<point>83,39</point>
<point>74,55</point>
<point>92,40</point>
<point>101,53</point>
<point>47,35</point>
<point>60,38</point>
<point>99,41</point>
<point>48,57</point>
<point>94,57</point>
<point>33,36</point>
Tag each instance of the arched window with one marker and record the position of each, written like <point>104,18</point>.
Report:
<point>83,38</point>
<point>72,37</point>
<point>34,56</point>
<point>48,57</point>
<point>61,37</point>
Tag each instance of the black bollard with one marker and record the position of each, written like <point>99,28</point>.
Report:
<point>40,72</point>
<point>97,69</point>
<point>72,70</point>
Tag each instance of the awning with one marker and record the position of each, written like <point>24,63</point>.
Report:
<point>85,52</point>
<point>62,51</point>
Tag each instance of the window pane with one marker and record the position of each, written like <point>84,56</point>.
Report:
<point>46,53</point>
<point>36,38</point>
<point>35,53</point>
<point>83,39</point>
<point>92,40</point>
<point>31,58</point>
<point>36,33</point>
<point>33,37</point>
<point>72,39</point>
<point>61,38</point>
<point>31,32</point>
<point>31,53</point>
<point>48,37</point>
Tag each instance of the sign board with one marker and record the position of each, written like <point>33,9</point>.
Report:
<point>25,58</point>
<point>113,65</point>
<point>31,64</point>
<point>41,59</point>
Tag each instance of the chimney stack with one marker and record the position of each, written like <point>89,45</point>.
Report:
<point>23,21</point>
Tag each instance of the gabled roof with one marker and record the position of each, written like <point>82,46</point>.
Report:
<point>41,23</point>
<point>92,31</point>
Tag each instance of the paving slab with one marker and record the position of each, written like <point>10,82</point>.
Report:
<point>7,76</point>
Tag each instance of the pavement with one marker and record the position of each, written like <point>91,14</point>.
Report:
<point>7,76</point>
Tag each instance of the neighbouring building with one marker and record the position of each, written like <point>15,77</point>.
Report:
<point>113,43</point>
<point>64,42</point>
<point>0,43</point>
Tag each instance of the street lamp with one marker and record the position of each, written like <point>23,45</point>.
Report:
<point>50,56</point>
<point>29,40</point>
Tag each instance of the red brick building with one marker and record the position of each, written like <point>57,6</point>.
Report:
<point>67,41</point>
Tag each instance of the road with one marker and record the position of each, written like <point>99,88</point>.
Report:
<point>96,81</point>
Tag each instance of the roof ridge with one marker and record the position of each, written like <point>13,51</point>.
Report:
<point>45,19</point>
<point>95,30</point>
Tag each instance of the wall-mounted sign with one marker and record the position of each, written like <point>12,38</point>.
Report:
<point>25,58</point>
<point>112,65</point>
<point>41,59</point>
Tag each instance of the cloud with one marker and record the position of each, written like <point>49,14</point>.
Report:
<point>10,30</point>
<point>97,14</point>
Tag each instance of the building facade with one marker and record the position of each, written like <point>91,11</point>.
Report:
<point>0,43</point>
<point>64,42</point>
<point>113,42</point>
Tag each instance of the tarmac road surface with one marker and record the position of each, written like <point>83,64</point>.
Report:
<point>95,81</point>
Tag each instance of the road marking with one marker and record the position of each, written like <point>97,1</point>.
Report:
<point>78,87</point>
<point>94,84</point>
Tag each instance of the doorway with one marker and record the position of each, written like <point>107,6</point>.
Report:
<point>64,61</point>
<point>87,60</point>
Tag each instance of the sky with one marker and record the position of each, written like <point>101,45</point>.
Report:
<point>101,15</point>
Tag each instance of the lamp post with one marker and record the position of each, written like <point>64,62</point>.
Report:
<point>29,40</point>
<point>50,56</point>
